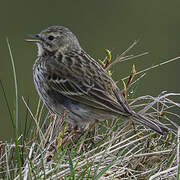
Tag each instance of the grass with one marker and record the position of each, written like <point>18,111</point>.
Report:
<point>114,149</point>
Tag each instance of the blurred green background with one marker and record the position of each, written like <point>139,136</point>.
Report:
<point>98,25</point>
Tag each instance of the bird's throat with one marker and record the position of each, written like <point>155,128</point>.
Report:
<point>40,49</point>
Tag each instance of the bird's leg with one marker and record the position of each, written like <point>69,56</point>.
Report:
<point>64,115</point>
<point>82,145</point>
<point>92,125</point>
<point>131,123</point>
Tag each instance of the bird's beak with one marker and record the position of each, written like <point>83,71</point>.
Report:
<point>36,38</point>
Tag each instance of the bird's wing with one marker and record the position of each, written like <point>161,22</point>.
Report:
<point>98,91</point>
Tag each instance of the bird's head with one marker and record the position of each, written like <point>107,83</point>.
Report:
<point>53,39</point>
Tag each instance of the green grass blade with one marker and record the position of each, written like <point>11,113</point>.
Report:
<point>15,113</point>
<point>71,167</point>
<point>15,81</point>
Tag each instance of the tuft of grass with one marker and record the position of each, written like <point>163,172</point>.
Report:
<point>114,149</point>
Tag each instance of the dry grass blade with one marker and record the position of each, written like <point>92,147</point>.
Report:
<point>123,58</point>
<point>155,66</point>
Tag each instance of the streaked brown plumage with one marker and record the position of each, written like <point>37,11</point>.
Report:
<point>66,77</point>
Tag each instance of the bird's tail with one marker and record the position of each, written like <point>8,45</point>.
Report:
<point>152,124</point>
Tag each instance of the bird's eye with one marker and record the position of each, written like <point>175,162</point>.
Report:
<point>51,38</point>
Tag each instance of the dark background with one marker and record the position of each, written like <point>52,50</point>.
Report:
<point>98,25</point>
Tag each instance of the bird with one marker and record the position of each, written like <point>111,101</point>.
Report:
<point>68,78</point>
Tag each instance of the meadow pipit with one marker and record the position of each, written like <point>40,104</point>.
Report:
<point>66,77</point>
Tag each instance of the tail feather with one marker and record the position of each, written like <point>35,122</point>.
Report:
<point>152,124</point>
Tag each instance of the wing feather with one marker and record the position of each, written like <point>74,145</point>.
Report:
<point>88,84</point>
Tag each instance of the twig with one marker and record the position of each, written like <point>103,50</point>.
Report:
<point>155,66</point>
